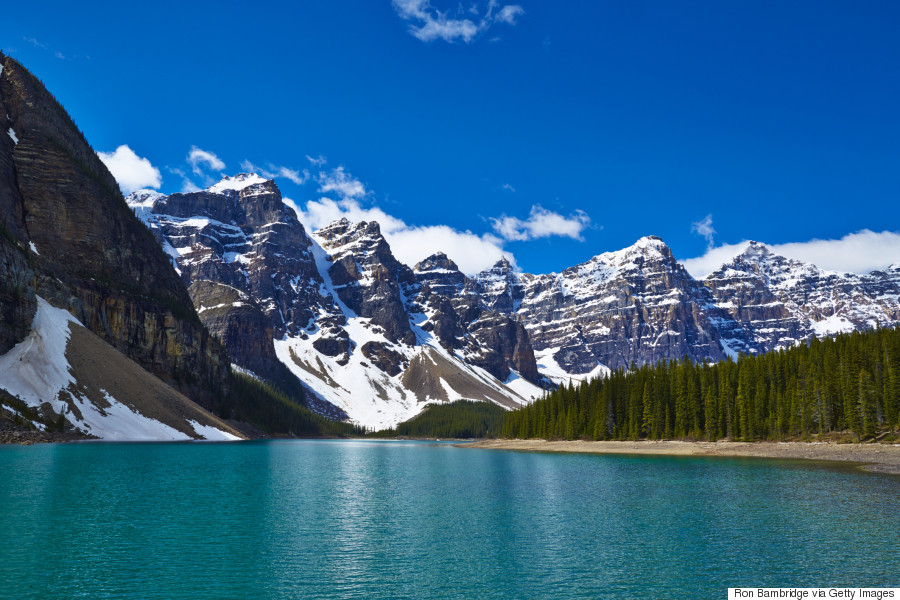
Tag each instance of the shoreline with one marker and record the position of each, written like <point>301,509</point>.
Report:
<point>878,458</point>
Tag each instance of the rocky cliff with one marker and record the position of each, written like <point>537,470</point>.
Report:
<point>368,336</point>
<point>640,305</point>
<point>634,305</point>
<point>69,237</point>
<point>779,302</point>
<point>378,339</point>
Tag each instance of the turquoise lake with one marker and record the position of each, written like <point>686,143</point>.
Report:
<point>381,519</point>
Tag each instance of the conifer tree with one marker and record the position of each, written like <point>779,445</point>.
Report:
<point>868,414</point>
<point>648,416</point>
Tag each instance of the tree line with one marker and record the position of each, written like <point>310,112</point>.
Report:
<point>270,409</point>
<point>462,419</point>
<point>849,382</point>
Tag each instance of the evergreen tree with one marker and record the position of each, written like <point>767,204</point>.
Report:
<point>868,414</point>
<point>850,381</point>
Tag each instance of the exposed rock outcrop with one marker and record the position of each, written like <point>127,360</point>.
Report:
<point>635,305</point>
<point>778,302</point>
<point>70,238</point>
<point>345,316</point>
<point>367,277</point>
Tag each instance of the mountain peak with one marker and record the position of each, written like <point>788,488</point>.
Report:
<point>650,242</point>
<point>436,262</point>
<point>236,183</point>
<point>502,267</point>
<point>756,249</point>
<point>649,245</point>
<point>143,197</point>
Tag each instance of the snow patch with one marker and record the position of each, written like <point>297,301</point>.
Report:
<point>552,370</point>
<point>729,351</point>
<point>120,423</point>
<point>33,249</point>
<point>12,134</point>
<point>212,433</point>
<point>36,369</point>
<point>236,183</point>
<point>452,395</point>
<point>523,387</point>
<point>831,326</point>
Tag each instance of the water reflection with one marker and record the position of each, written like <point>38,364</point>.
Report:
<point>360,519</point>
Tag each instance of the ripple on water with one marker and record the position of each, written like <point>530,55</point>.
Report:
<point>326,519</point>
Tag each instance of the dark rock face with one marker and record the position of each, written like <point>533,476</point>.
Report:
<point>501,288</point>
<point>337,346</point>
<point>461,319</point>
<point>17,278</point>
<point>383,357</point>
<point>17,299</point>
<point>635,305</point>
<point>232,316</point>
<point>504,343</point>
<point>345,315</point>
<point>779,302</point>
<point>367,277</point>
<point>90,255</point>
<point>246,331</point>
<point>242,234</point>
<point>441,275</point>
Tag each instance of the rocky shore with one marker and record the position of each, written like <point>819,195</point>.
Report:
<point>26,437</point>
<point>882,458</point>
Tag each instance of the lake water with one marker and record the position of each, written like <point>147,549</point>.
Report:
<point>380,519</point>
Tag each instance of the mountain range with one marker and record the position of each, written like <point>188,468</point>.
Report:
<point>374,339</point>
<point>129,318</point>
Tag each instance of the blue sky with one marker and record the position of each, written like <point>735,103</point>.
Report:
<point>550,131</point>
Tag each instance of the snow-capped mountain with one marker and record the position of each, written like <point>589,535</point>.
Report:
<point>634,305</point>
<point>375,340</point>
<point>779,302</point>
<point>639,304</point>
<point>371,338</point>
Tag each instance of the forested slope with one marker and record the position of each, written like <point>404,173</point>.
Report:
<point>850,382</point>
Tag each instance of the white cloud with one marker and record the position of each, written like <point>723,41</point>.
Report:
<point>317,161</point>
<point>429,24</point>
<point>273,171</point>
<point>187,186</point>
<point>323,211</point>
<point>130,170</point>
<point>410,243</point>
<point>197,157</point>
<point>35,42</point>
<point>859,252</point>
<point>342,183</point>
<point>705,228</point>
<point>471,252</point>
<point>539,224</point>
<point>714,258</point>
<point>509,13</point>
<point>507,187</point>
<point>38,44</point>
